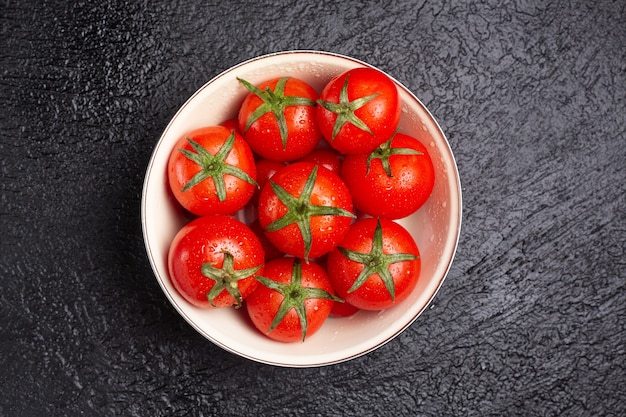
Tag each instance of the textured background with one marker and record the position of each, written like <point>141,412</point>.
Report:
<point>532,318</point>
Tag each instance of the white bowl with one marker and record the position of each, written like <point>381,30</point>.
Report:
<point>435,226</point>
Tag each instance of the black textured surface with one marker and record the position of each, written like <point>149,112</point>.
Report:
<point>531,320</point>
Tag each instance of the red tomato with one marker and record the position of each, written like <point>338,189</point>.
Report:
<point>376,266</point>
<point>292,301</point>
<point>277,118</point>
<point>358,110</point>
<point>327,158</point>
<point>305,210</point>
<point>212,261</point>
<point>393,181</point>
<point>211,170</point>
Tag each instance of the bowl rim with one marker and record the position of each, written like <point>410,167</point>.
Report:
<point>149,249</point>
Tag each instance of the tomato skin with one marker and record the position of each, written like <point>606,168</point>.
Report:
<point>381,115</point>
<point>271,252</point>
<point>326,231</point>
<point>263,304</point>
<point>205,240</point>
<point>231,124</point>
<point>202,199</point>
<point>373,295</point>
<point>263,135</point>
<point>343,310</point>
<point>265,169</point>
<point>328,158</point>
<point>395,197</point>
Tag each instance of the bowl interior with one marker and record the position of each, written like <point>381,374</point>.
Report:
<point>435,226</point>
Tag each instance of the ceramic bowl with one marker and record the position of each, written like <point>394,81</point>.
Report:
<point>435,226</point>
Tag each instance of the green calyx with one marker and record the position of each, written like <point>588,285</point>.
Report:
<point>376,262</point>
<point>214,166</point>
<point>274,102</point>
<point>384,152</point>
<point>294,296</point>
<point>345,110</point>
<point>300,210</point>
<point>226,278</point>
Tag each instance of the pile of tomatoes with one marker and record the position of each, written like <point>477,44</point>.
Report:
<point>324,176</point>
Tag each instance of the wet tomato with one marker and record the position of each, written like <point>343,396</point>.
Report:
<point>211,170</point>
<point>212,261</point>
<point>292,301</point>
<point>305,210</point>
<point>376,266</point>
<point>394,181</point>
<point>277,118</point>
<point>358,110</point>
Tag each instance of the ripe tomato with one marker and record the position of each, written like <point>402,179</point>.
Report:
<point>212,261</point>
<point>376,266</point>
<point>211,170</point>
<point>328,158</point>
<point>292,301</point>
<point>358,110</point>
<point>277,118</point>
<point>393,181</point>
<point>305,210</point>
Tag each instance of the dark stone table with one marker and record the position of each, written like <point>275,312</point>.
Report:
<point>531,320</point>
